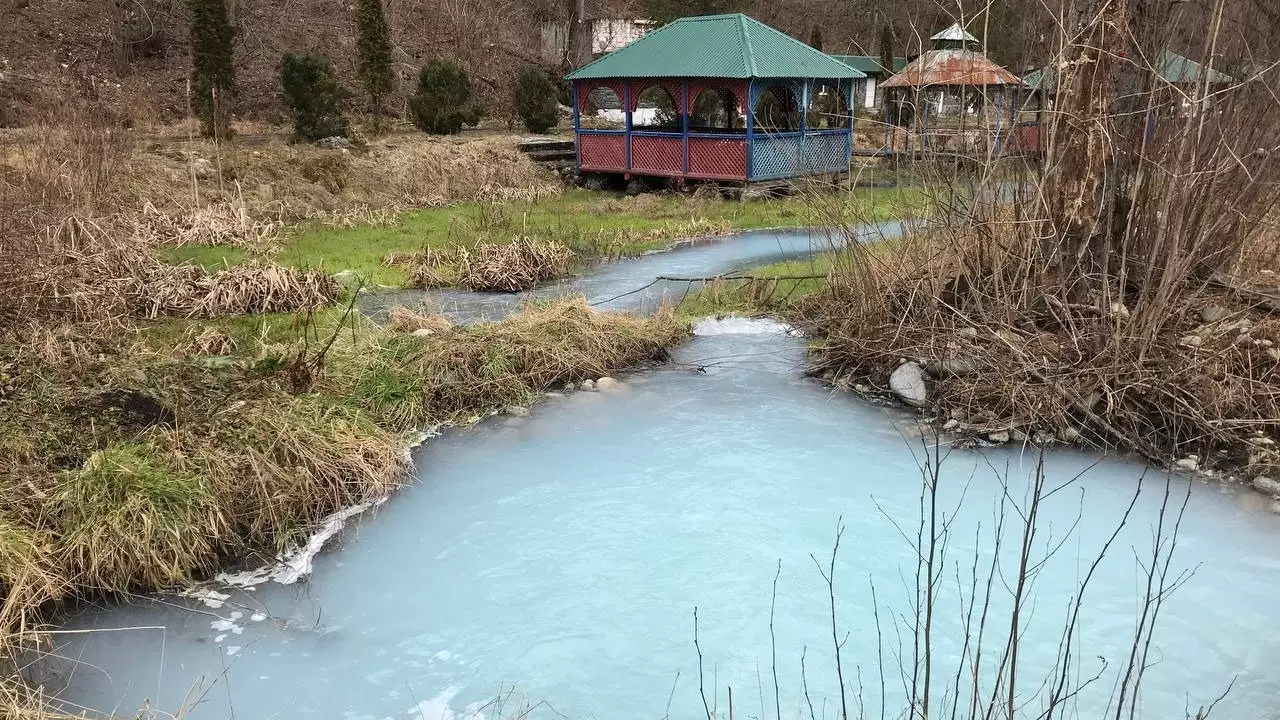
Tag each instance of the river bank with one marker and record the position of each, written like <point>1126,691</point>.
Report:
<point>535,557</point>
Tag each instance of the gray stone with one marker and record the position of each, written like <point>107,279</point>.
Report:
<point>952,367</point>
<point>336,142</point>
<point>203,169</point>
<point>999,437</point>
<point>597,182</point>
<point>1043,437</point>
<point>951,424</point>
<point>1267,486</point>
<point>636,186</point>
<point>908,383</point>
<point>518,411</point>
<point>1213,313</point>
<point>1191,341</point>
<point>1017,435</point>
<point>1244,339</point>
<point>349,278</point>
<point>1190,463</point>
<point>1274,507</point>
<point>608,383</point>
<point>570,387</point>
<point>588,385</point>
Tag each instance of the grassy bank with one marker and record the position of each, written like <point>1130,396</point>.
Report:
<point>142,460</point>
<point>593,224</point>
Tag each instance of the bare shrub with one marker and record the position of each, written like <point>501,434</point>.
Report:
<point>1075,294</point>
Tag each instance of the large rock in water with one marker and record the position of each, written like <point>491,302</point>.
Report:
<point>908,383</point>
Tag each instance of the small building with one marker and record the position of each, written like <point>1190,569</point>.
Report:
<point>868,94</point>
<point>1184,80</point>
<point>607,35</point>
<point>728,98</point>
<point>953,80</point>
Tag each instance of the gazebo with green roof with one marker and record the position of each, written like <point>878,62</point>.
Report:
<point>720,97</point>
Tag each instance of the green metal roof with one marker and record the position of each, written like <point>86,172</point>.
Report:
<point>1172,68</point>
<point>716,46</point>
<point>870,64</point>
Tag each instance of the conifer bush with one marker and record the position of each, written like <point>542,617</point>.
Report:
<point>535,100</point>
<point>373,46</point>
<point>442,103</point>
<point>313,94</point>
<point>213,73</point>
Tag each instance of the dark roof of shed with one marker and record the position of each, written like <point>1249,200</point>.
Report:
<point>952,66</point>
<point>870,64</point>
<point>716,46</point>
<point>1172,68</point>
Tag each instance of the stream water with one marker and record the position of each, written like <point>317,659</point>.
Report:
<point>558,558</point>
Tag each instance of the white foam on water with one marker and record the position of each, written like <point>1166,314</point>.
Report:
<point>437,708</point>
<point>297,564</point>
<point>735,325</point>
<point>210,597</point>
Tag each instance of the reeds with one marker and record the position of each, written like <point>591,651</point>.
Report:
<point>515,266</point>
<point>155,289</point>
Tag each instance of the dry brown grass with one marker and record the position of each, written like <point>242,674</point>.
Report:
<point>402,319</point>
<point>283,182</point>
<point>519,265</point>
<point>156,289</point>
<point>1033,361</point>
<point>515,266</point>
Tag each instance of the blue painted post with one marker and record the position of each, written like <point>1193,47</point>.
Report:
<point>853,121</point>
<point>684,114</point>
<point>802,145</point>
<point>626,93</point>
<point>751,128</point>
<point>577,129</point>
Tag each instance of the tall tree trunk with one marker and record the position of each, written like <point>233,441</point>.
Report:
<point>578,45</point>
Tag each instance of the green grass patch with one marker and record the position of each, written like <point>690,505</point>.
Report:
<point>209,257</point>
<point>593,224</point>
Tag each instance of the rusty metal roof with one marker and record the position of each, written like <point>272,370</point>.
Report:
<point>952,66</point>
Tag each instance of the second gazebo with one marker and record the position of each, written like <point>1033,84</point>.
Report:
<point>721,97</point>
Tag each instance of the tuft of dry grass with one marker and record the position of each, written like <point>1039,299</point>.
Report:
<point>402,319</point>
<point>216,224</point>
<point>157,289</point>
<point>512,267</point>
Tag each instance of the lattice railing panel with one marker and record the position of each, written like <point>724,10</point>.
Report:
<point>719,158</point>
<point>825,153</point>
<point>602,152</point>
<point>662,155</point>
<point>776,156</point>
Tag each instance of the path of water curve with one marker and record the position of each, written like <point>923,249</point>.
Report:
<point>629,284</point>
<point>563,554</point>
